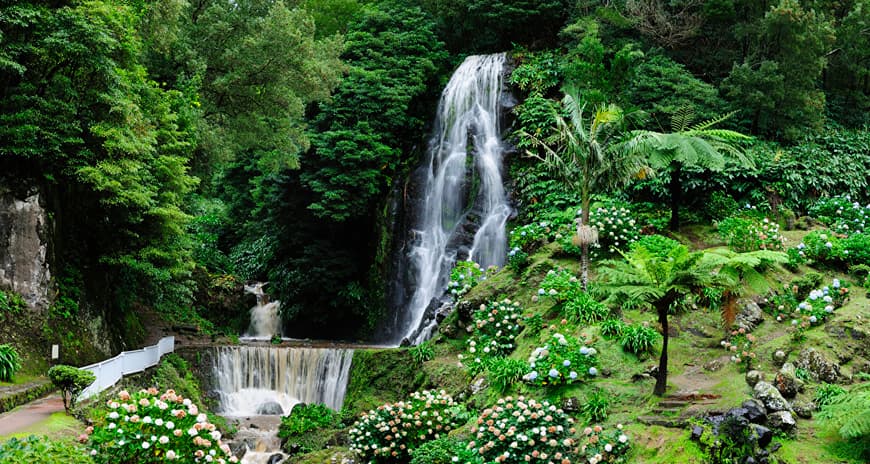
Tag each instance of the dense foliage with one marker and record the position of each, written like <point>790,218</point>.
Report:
<point>71,381</point>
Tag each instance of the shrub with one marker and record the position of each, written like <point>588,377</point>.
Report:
<point>595,408</point>
<point>10,362</point>
<point>638,339</point>
<point>658,245</point>
<point>583,309</point>
<point>602,445</point>
<point>560,285</point>
<point>617,229</point>
<point>516,431</point>
<point>820,247</point>
<point>445,450</point>
<point>504,372</point>
<point>720,206</point>
<point>422,352</point>
<point>741,344</point>
<point>530,236</point>
<point>564,360</point>
<point>518,260</point>
<point>11,302</point>
<point>150,427</point>
<point>71,381</point>
<point>41,450</point>
<point>392,432</point>
<point>464,276</point>
<point>842,215</point>
<point>298,428</point>
<point>856,249</point>
<point>612,328</point>
<point>747,234</point>
<point>826,393</point>
<point>496,326</point>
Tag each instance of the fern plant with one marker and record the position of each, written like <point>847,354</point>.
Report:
<point>422,352</point>
<point>638,339</point>
<point>10,362</point>
<point>597,403</point>
<point>849,414</point>
<point>504,372</point>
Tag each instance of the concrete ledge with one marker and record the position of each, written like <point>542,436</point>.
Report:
<point>23,394</point>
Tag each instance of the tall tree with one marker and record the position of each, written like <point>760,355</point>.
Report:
<point>587,155</point>
<point>699,146</point>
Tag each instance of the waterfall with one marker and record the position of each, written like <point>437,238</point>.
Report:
<point>467,123</point>
<point>260,380</point>
<point>265,321</point>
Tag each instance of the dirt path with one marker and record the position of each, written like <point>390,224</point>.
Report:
<point>30,414</point>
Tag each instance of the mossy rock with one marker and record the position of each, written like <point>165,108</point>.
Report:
<point>381,376</point>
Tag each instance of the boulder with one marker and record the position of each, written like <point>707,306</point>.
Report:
<point>803,409</point>
<point>786,381</point>
<point>275,458</point>
<point>779,357</point>
<point>750,316</point>
<point>571,404</point>
<point>770,397</point>
<point>819,368</point>
<point>762,434</point>
<point>755,412</point>
<point>270,408</point>
<point>782,421</point>
<point>697,432</point>
<point>753,377</point>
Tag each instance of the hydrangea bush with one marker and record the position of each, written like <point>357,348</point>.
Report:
<point>748,234</point>
<point>814,310</point>
<point>564,360</point>
<point>464,276</point>
<point>600,445</point>
<point>577,306</point>
<point>842,215</point>
<point>153,427</point>
<point>530,236</point>
<point>524,430</point>
<point>496,326</point>
<point>828,248</point>
<point>617,230</point>
<point>392,432</point>
<point>741,345</point>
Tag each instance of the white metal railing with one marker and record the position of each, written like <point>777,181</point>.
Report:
<point>110,371</point>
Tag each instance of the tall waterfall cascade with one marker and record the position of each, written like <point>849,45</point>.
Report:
<point>467,125</point>
<point>261,380</point>
<point>265,320</point>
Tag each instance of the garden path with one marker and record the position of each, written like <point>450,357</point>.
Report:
<point>30,415</point>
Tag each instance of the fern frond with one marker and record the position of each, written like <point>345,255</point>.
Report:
<point>681,119</point>
<point>712,122</point>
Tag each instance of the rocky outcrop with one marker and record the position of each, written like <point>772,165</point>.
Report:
<point>786,381</point>
<point>770,397</point>
<point>819,368</point>
<point>24,253</point>
<point>782,421</point>
<point>750,316</point>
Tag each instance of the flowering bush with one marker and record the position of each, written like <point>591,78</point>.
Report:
<point>602,445</point>
<point>616,227</point>
<point>842,215</point>
<point>562,361</point>
<point>741,344</point>
<point>748,234</point>
<point>392,432</point>
<point>464,276</point>
<point>496,326</point>
<point>149,427</point>
<point>518,259</point>
<point>559,284</point>
<point>817,307</point>
<point>523,430</point>
<point>530,236</point>
<point>825,247</point>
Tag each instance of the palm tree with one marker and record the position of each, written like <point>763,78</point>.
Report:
<point>662,277</point>
<point>584,153</point>
<point>698,145</point>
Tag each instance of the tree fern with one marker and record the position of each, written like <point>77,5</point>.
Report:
<point>850,415</point>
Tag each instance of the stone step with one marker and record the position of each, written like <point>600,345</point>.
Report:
<point>672,403</point>
<point>671,422</point>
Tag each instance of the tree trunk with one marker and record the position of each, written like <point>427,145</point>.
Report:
<point>676,194</point>
<point>662,377</point>
<point>584,265</point>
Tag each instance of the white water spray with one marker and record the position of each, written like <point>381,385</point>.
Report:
<point>467,115</point>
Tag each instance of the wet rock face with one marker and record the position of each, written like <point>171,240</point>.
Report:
<point>819,368</point>
<point>24,266</point>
